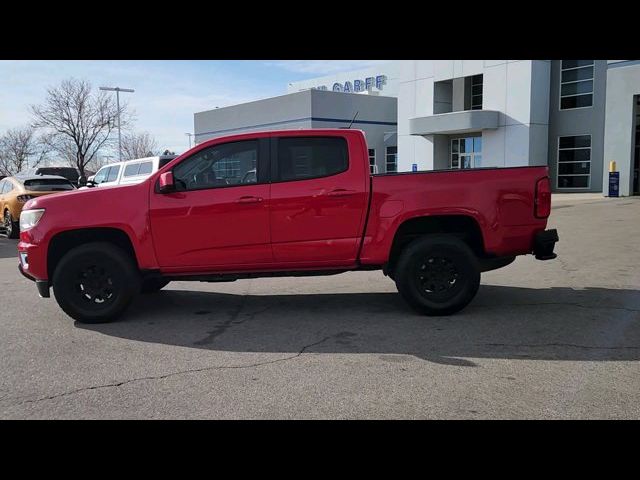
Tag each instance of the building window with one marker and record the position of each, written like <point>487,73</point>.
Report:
<point>476,92</point>
<point>574,161</point>
<point>576,84</point>
<point>466,152</point>
<point>372,160</point>
<point>392,160</point>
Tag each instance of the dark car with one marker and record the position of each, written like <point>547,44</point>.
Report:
<point>70,173</point>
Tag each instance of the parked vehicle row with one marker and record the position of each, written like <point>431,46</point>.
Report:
<point>128,172</point>
<point>283,203</point>
<point>17,190</point>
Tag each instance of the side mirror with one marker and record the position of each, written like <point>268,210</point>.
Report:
<point>90,183</point>
<point>166,182</point>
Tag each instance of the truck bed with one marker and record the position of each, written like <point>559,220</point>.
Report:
<point>499,200</point>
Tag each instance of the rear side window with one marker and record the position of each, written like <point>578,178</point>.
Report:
<point>134,169</point>
<point>145,168</point>
<point>301,158</point>
<point>131,170</point>
<point>112,176</point>
<point>48,185</point>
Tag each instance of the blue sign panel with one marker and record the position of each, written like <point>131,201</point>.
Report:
<point>614,184</point>
<point>414,167</point>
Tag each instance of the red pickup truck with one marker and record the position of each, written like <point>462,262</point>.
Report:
<point>284,203</point>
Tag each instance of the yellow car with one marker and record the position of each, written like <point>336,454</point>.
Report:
<point>16,191</point>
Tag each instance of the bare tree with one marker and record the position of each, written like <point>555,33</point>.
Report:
<point>79,122</point>
<point>21,148</point>
<point>138,145</point>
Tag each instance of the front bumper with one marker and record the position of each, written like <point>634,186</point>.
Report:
<point>544,243</point>
<point>41,285</point>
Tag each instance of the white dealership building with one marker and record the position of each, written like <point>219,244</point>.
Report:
<point>573,115</point>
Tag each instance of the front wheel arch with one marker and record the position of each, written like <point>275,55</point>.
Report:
<point>66,240</point>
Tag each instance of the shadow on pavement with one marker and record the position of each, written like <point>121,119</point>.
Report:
<point>8,247</point>
<point>501,323</point>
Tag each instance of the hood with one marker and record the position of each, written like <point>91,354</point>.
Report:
<point>89,195</point>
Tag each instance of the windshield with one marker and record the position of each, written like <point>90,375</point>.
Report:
<point>48,185</point>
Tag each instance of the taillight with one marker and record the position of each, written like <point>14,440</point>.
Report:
<point>543,198</point>
<point>25,198</point>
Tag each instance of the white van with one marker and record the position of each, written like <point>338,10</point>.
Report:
<point>130,171</point>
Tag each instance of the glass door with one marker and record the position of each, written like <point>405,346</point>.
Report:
<point>466,152</point>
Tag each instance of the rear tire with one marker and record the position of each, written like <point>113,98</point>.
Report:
<point>437,275</point>
<point>95,282</point>
<point>153,285</point>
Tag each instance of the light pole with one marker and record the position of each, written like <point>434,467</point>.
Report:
<point>190,135</point>
<point>118,90</point>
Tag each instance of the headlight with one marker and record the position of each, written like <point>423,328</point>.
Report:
<point>30,218</point>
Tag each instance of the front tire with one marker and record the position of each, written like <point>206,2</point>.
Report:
<point>95,282</point>
<point>11,228</point>
<point>437,275</point>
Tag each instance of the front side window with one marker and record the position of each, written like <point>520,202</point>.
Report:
<point>391,161</point>
<point>101,175</point>
<point>466,152</point>
<point>574,161</point>
<point>302,158</point>
<point>218,166</point>
<point>3,185</point>
<point>131,170</point>
<point>112,176</point>
<point>576,84</point>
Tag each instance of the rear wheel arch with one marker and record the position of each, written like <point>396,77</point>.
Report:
<point>438,274</point>
<point>464,227</point>
<point>64,241</point>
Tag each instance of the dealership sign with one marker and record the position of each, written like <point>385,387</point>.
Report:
<point>356,86</point>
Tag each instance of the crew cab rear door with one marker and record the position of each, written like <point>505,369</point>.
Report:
<point>319,188</point>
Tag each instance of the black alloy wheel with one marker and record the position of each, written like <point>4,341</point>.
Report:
<point>437,274</point>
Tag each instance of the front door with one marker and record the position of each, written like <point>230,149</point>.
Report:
<point>318,200</point>
<point>218,217</point>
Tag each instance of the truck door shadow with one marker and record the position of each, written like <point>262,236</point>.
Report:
<point>595,324</point>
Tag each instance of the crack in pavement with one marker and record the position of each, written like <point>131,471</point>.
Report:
<point>579,305</point>
<point>181,372</point>
<point>572,345</point>
<point>233,320</point>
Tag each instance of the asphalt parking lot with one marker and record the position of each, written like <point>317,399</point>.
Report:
<point>557,339</point>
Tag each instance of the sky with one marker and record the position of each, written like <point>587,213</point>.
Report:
<point>167,93</point>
